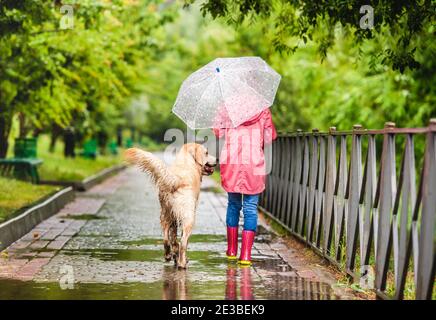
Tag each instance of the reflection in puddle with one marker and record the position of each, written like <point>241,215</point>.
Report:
<point>270,263</point>
<point>117,254</point>
<point>174,284</point>
<point>209,276</point>
<point>195,238</point>
<point>243,281</point>
<point>296,288</point>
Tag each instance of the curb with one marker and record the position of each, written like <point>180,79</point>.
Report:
<point>14,229</point>
<point>89,182</point>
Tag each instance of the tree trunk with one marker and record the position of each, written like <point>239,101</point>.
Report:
<point>70,140</point>
<point>102,138</point>
<point>133,135</point>
<point>55,133</point>
<point>120,137</point>
<point>5,128</point>
<point>23,130</point>
<point>36,132</point>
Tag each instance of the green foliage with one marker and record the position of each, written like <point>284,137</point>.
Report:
<point>341,89</point>
<point>305,20</point>
<point>122,64</point>
<point>82,77</point>
<point>188,43</point>
<point>345,87</point>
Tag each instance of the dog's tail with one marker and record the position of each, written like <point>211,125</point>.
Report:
<point>157,169</point>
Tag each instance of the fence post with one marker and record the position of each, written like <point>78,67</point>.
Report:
<point>386,203</point>
<point>353,192</point>
<point>401,232</point>
<point>427,238</point>
<point>329,189</point>
<point>297,181</point>
<point>320,194</point>
<point>287,152</point>
<point>367,198</point>
<point>313,171</point>
<point>291,181</point>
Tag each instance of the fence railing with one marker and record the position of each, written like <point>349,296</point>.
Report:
<point>373,217</point>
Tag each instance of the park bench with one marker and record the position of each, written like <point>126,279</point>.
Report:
<point>24,165</point>
<point>113,148</point>
<point>89,149</point>
<point>21,168</point>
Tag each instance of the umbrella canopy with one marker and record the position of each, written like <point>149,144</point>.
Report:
<point>226,92</point>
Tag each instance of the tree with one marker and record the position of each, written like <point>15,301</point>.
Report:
<point>300,21</point>
<point>84,76</point>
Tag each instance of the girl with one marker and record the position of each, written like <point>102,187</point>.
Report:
<point>242,167</point>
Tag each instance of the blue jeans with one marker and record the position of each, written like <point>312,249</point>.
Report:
<point>248,204</point>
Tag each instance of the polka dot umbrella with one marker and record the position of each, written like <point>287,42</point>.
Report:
<point>226,92</point>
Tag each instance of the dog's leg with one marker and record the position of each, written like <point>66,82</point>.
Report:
<point>187,230</point>
<point>173,241</point>
<point>166,236</point>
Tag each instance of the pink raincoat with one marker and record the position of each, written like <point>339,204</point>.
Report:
<point>242,160</point>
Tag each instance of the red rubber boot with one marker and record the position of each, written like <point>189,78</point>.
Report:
<point>247,243</point>
<point>232,243</point>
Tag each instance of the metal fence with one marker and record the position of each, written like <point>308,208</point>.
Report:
<point>373,217</point>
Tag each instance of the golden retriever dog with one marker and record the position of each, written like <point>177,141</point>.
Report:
<point>179,187</point>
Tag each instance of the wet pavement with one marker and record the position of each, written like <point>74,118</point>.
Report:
<point>107,244</point>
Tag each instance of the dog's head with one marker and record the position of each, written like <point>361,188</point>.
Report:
<point>202,157</point>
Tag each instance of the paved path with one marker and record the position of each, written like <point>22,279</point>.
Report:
<point>107,244</point>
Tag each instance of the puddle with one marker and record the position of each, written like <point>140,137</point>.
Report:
<point>205,258</point>
<point>270,263</point>
<point>209,276</point>
<point>85,216</point>
<point>296,288</point>
<point>237,284</point>
<point>29,253</point>
<point>95,235</point>
<point>264,238</point>
<point>195,238</point>
<point>117,254</point>
<point>18,290</point>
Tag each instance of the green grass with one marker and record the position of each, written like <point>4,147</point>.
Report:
<point>57,167</point>
<point>16,195</point>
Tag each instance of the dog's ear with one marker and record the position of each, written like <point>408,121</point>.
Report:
<point>197,153</point>
<point>192,150</point>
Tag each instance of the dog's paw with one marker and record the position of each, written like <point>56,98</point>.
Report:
<point>182,264</point>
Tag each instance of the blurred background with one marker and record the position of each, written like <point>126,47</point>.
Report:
<point>81,79</point>
<point>109,71</point>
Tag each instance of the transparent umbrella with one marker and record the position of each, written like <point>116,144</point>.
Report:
<point>226,92</point>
